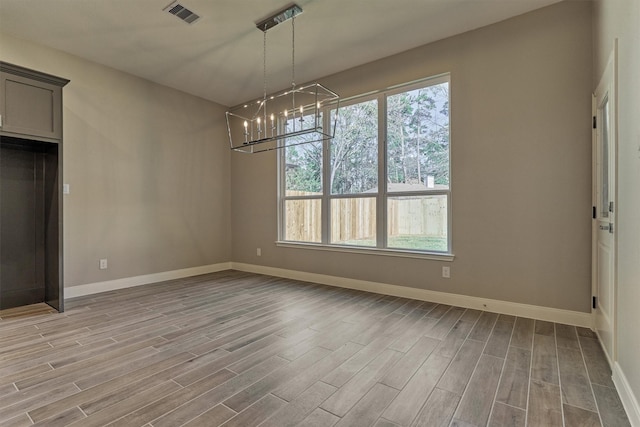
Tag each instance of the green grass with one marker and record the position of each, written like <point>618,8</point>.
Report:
<point>423,243</point>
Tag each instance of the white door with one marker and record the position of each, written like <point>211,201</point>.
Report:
<point>604,227</point>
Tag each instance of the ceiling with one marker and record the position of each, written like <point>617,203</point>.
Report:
<point>220,56</point>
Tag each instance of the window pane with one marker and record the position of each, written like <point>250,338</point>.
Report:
<point>303,169</point>
<point>297,123</point>
<point>302,220</point>
<point>418,139</point>
<point>417,222</point>
<point>354,149</point>
<point>353,221</point>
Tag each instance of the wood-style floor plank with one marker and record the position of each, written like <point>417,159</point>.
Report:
<point>384,423</point>
<point>300,407</point>
<point>438,409</point>
<point>242,349</point>
<point>63,419</point>
<point>27,311</point>
<point>202,403</point>
<point>339,376</point>
<point>444,325</point>
<point>514,384</point>
<point>545,407</point>
<point>172,401</point>
<point>295,386</point>
<point>257,412</point>
<point>450,345</point>
<point>523,333</point>
<point>545,359</point>
<point>476,403</point>
<point>95,393</point>
<point>484,326</point>
<point>352,391</point>
<point>253,393</point>
<point>544,328</point>
<point>499,340</point>
<point>611,409</point>
<point>578,417</point>
<point>320,418</point>
<point>507,416</point>
<point>213,417</point>
<point>567,336</point>
<point>21,420</point>
<point>128,406</point>
<point>401,372</point>
<point>457,376</point>
<point>411,335</point>
<point>597,366</point>
<point>576,388</point>
<point>369,408</point>
<point>409,401</point>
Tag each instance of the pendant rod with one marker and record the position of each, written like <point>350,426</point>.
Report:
<point>293,52</point>
<point>264,66</point>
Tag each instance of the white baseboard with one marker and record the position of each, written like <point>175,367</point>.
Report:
<point>496,306</point>
<point>128,282</point>
<point>629,400</point>
<point>503,307</point>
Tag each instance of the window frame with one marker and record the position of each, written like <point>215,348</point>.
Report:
<point>381,196</point>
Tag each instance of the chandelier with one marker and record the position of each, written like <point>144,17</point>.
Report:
<point>291,117</point>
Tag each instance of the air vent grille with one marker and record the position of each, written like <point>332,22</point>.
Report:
<point>182,12</point>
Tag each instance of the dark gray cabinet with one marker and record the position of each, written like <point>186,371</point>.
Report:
<point>30,187</point>
<point>31,103</point>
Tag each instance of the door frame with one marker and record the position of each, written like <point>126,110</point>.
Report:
<point>609,78</point>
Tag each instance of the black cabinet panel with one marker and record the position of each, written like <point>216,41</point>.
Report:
<point>22,245</point>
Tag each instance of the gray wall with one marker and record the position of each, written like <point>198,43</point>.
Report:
<point>621,19</point>
<point>521,166</point>
<point>148,171</point>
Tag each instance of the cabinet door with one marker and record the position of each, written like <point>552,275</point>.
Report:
<point>30,107</point>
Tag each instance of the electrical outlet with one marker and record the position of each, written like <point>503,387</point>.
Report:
<point>66,189</point>
<point>258,251</point>
<point>103,264</point>
<point>446,272</point>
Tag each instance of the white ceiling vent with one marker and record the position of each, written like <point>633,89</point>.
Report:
<point>182,12</point>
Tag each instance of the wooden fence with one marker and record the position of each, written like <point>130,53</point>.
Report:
<point>355,218</point>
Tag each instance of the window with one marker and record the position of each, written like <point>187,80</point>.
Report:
<point>353,178</point>
<point>382,182</point>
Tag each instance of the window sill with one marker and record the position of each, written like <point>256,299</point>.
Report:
<point>436,256</point>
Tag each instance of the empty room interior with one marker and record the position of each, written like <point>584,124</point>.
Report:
<point>349,213</point>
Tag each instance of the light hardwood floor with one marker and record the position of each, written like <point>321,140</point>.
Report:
<point>242,349</point>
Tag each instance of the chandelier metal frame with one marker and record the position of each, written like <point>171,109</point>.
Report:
<point>287,118</point>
